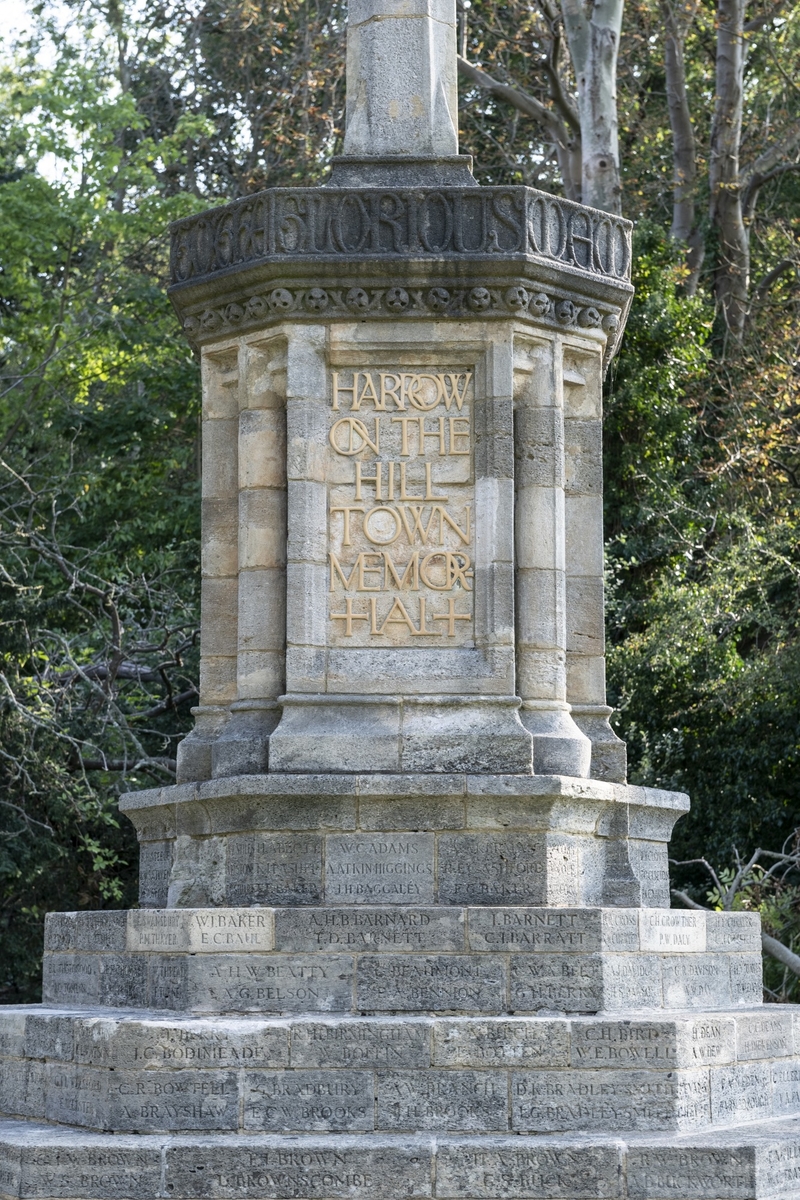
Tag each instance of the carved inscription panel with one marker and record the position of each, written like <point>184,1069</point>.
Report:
<point>401,507</point>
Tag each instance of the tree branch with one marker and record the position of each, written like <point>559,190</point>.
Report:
<point>783,268</point>
<point>524,103</point>
<point>767,166</point>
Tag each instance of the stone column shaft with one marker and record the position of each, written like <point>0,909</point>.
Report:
<point>559,747</point>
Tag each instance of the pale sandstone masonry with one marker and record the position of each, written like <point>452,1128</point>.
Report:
<point>404,928</point>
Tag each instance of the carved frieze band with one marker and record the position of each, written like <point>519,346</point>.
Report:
<point>517,300</point>
<point>419,224</point>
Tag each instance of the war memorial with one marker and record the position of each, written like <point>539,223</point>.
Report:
<point>404,929</point>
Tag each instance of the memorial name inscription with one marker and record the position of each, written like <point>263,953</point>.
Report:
<point>401,504</point>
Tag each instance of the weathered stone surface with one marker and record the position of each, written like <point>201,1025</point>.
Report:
<point>271,983</point>
<point>365,1042</point>
<point>309,1100</point>
<point>382,868</point>
<point>200,931</point>
<point>508,1169</point>
<point>499,1041</point>
<point>452,1099</point>
<point>440,983</point>
<point>609,1099</point>
<point>365,929</point>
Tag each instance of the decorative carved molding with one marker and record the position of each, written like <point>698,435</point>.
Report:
<point>395,301</point>
<point>421,223</point>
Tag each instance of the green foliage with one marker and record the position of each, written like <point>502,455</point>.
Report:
<point>704,564</point>
<point>99,410</point>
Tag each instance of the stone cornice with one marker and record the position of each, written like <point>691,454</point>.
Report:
<point>322,253</point>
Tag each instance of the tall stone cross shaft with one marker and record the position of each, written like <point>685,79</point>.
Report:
<point>404,930</point>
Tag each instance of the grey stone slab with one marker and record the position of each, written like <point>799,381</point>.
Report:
<point>22,1086</point>
<point>535,929</point>
<point>739,931</point>
<point>168,982</point>
<point>389,868</point>
<point>90,1167</point>
<point>695,981</point>
<point>501,1041</point>
<point>200,931</point>
<point>616,1100</point>
<point>442,1100</point>
<point>672,931</point>
<point>237,1042</point>
<point>316,1170</point>
<point>426,982</point>
<point>361,1042</point>
<point>786,1088</point>
<point>12,1033</point>
<point>778,1163</point>
<point>143,1101</point>
<point>486,868</point>
<point>691,1173</point>
<point>631,981</point>
<point>155,864</point>
<point>741,1093</point>
<point>368,929</point>
<point>509,1169</point>
<point>271,983</point>
<point>650,866</point>
<point>746,974</point>
<point>309,1100</point>
<point>710,1041</point>
<point>59,931</point>
<point>71,979</point>
<point>49,1037</point>
<point>624,1044</point>
<point>123,979</point>
<point>765,1034</point>
<point>565,982</point>
<point>274,868</point>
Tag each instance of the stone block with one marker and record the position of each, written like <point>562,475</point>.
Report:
<point>59,1165</point>
<point>492,868</point>
<point>741,1093</point>
<point>369,929</point>
<point>309,1100</point>
<point>785,1088</point>
<point>746,978</point>
<point>13,1027</point>
<point>765,1034</point>
<point>501,1041</point>
<point>710,1041</point>
<point>631,981</point>
<point>695,981</point>
<point>739,931</point>
<point>426,982</point>
<point>155,865</point>
<point>583,930</point>
<point>367,1042</point>
<point>615,1100</point>
<point>200,931</point>
<point>672,931</point>
<point>223,1044</point>
<point>438,1100</point>
<point>271,983</point>
<point>168,982</point>
<point>262,448</point>
<point>724,1172</point>
<point>561,982</point>
<point>48,1037</point>
<point>71,979</point>
<point>394,868</point>
<point>541,1169</point>
<point>629,1044</point>
<point>276,1168</point>
<point>274,868</point>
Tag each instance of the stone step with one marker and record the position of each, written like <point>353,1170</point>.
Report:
<point>756,1162</point>
<point>108,1071</point>
<point>403,958</point>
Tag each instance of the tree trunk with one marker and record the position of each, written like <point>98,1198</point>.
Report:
<point>593,38</point>
<point>678,16</point>
<point>732,271</point>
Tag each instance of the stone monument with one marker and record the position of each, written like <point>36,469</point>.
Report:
<point>404,930</point>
